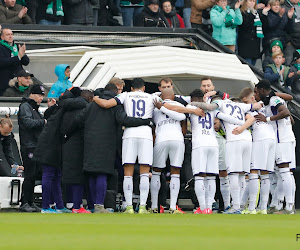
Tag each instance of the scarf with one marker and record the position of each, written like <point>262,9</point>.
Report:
<point>297,66</point>
<point>13,48</point>
<point>229,21</point>
<point>59,8</point>
<point>258,25</point>
<point>22,89</point>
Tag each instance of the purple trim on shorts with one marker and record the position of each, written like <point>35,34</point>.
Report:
<point>283,163</point>
<point>205,173</point>
<point>128,164</point>
<point>145,164</point>
<point>175,166</point>
<point>139,164</point>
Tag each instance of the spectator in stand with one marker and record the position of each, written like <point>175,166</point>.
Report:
<point>197,6</point>
<point>63,73</point>
<point>107,11</point>
<point>187,13</point>
<point>151,16</point>
<point>130,9</point>
<point>276,46</point>
<point>20,85</point>
<point>175,20</point>
<point>79,12</point>
<point>11,58</point>
<point>293,33</point>
<point>295,67</point>
<point>277,73</point>
<point>13,13</point>
<point>96,8</point>
<point>50,12</point>
<point>276,22</point>
<point>250,33</point>
<point>225,21</point>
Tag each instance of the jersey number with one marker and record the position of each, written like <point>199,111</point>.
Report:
<point>138,108</point>
<point>235,111</point>
<point>205,121</point>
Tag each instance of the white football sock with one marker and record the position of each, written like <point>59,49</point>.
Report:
<point>235,190</point>
<point>144,188</point>
<point>200,191</point>
<point>128,189</point>
<point>242,183</point>
<point>264,191</point>
<point>174,190</point>
<point>293,187</point>
<point>273,183</point>
<point>154,188</point>
<point>225,190</point>
<point>245,197</point>
<point>287,187</point>
<point>211,190</point>
<point>253,190</point>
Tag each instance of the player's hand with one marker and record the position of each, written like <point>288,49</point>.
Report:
<point>238,130</point>
<point>209,94</point>
<point>158,104</point>
<point>291,74</point>
<point>291,13</point>
<point>199,112</point>
<point>51,102</point>
<point>257,106</point>
<point>260,118</point>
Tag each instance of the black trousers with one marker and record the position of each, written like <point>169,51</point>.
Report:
<point>31,172</point>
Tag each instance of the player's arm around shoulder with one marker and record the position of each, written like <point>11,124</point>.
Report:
<point>103,103</point>
<point>240,129</point>
<point>173,114</point>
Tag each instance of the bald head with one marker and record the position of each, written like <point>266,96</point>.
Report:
<point>167,94</point>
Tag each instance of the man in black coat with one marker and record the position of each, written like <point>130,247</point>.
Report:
<point>12,58</point>
<point>100,142</point>
<point>31,123</point>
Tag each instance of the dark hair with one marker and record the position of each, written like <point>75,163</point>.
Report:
<point>111,87</point>
<point>205,78</point>
<point>86,94</point>
<point>197,93</point>
<point>165,79</point>
<point>137,83</point>
<point>235,99</point>
<point>215,97</point>
<point>264,84</point>
<point>76,91</point>
<point>245,93</point>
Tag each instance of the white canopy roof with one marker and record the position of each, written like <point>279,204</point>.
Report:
<point>184,66</point>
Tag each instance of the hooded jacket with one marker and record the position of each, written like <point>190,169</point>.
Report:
<point>31,123</point>
<point>62,83</point>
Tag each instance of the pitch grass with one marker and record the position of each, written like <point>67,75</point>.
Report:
<point>153,231</point>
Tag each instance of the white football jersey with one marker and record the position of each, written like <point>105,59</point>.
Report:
<point>261,130</point>
<point>283,127</point>
<point>238,111</point>
<point>203,132</point>
<point>168,124</point>
<point>138,104</point>
<point>186,99</point>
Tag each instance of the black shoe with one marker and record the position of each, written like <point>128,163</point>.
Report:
<point>36,208</point>
<point>26,208</point>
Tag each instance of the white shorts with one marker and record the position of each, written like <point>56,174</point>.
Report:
<point>137,148</point>
<point>285,153</point>
<point>173,149</point>
<point>263,155</point>
<point>205,160</point>
<point>238,156</point>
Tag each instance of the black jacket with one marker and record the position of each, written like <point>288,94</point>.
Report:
<point>148,18</point>
<point>72,149</point>
<point>248,42</point>
<point>100,134</point>
<point>79,11</point>
<point>31,123</point>
<point>41,12</point>
<point>9,66</point>
<point>49,147</point>
<point>7,148</point>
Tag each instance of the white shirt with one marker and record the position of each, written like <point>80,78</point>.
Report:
<point>168,126</point>
<point>186,99</point>
<point>238,111</point>
<point>137,104</point>
<point>261,130</point>
<point>283,127</point>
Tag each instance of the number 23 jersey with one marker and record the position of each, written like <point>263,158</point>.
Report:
<point>138,104</point>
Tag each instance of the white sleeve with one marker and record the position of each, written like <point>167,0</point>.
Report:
<point>275,100</point>
<point>229,118</point>
<point>219,103</point>
<point>173,114</point>
<point>121,97</point>
<point>245,107</point>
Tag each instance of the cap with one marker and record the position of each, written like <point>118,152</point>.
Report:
<point>24,73</point>
<point>37,89</point>
<point>148,2</point>
<point>276,43</point>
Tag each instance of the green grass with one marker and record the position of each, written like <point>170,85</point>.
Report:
<point>153,231</point>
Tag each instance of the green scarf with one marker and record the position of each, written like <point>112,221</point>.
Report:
<point>22,89</point>
<point>229,21</point>
<point>59,8</point>
<point>258,25</point>
<point>13,48</point>
<point>297,66</point>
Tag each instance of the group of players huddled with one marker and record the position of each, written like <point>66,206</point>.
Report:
<point>243,140</point>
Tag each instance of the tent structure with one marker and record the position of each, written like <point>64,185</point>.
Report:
<point>184,66</point>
